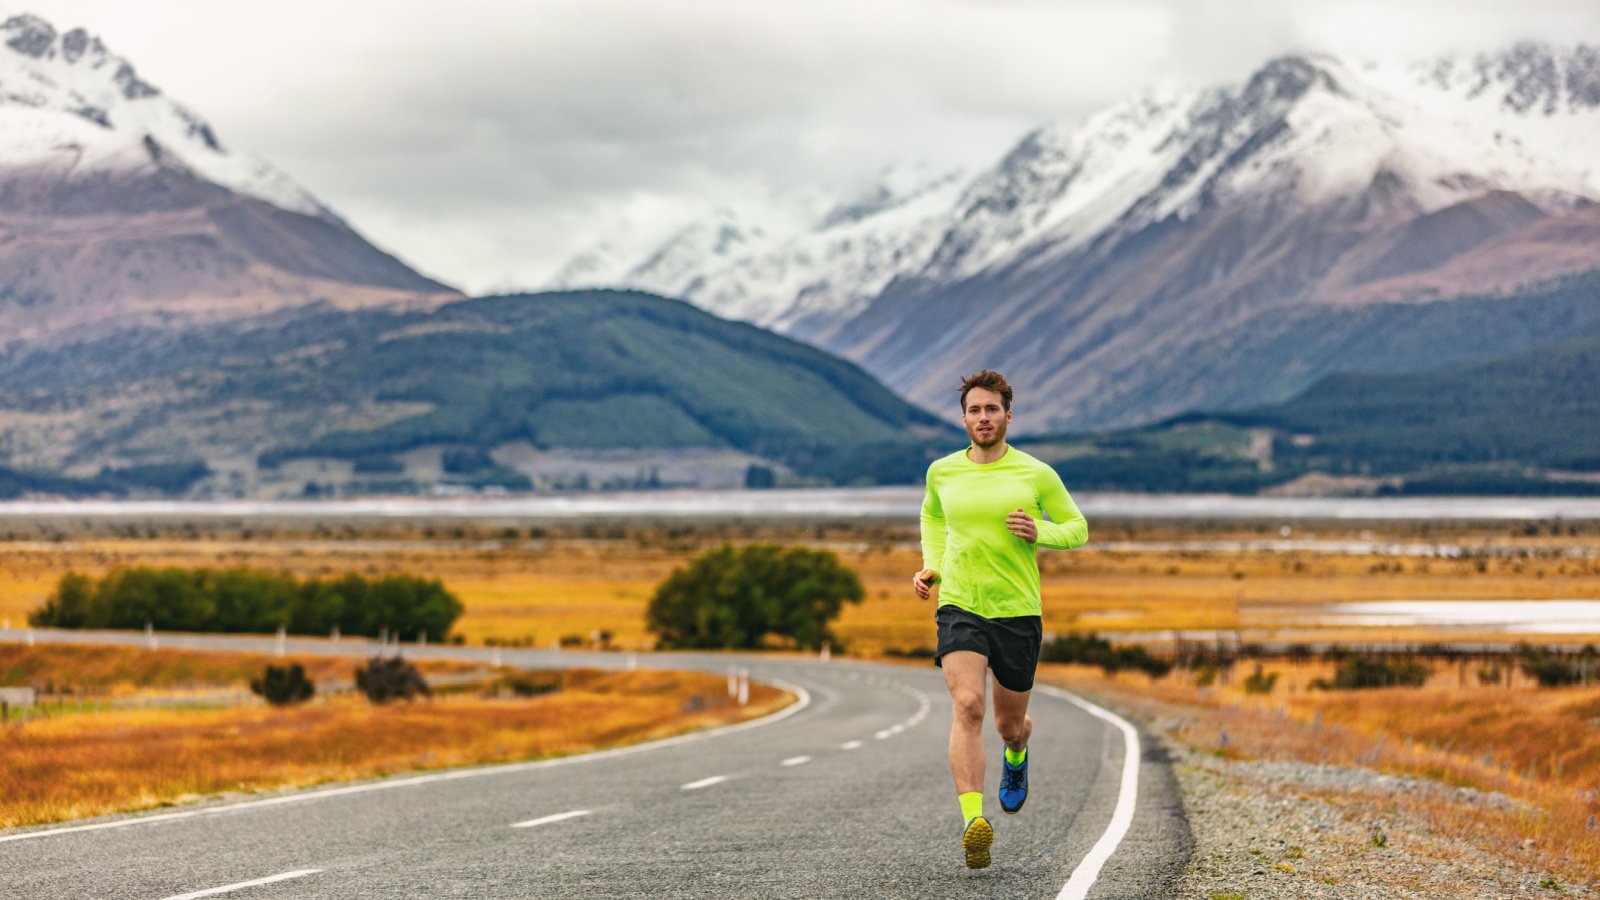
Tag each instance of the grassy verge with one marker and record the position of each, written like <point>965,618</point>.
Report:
<point>78,766</point>
<point>1527,758</point>
<point>121,671</point>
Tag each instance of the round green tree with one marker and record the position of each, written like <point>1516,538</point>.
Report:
<point>739,597</point>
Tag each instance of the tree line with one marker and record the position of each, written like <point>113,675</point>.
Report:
<point>250,601</point>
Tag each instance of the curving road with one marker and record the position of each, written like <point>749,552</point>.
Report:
<point>846,794</point>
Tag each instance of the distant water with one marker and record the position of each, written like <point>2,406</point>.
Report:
<point>823,503</point>
<point>1517,616</point>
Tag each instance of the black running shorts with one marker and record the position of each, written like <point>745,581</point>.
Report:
<point>1011,644</point>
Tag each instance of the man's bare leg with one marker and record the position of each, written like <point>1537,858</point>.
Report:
<point>1011,717</point>
<point>964,674</point>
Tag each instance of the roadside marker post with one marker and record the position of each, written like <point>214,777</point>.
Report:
<point>733,683</point>
<point>744,686</point>
<point>827,651</point>
<point>283,641</point>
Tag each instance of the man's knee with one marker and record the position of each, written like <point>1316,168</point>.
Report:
<point>1010,727</point>
<point>967,707</point>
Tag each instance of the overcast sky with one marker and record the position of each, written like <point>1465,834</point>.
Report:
<point>486,141</point>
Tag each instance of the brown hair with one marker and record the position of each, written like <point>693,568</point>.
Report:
<point>989,380</point>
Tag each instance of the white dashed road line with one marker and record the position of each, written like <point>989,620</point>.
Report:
<point>211,892</point>
<point>546,820</point>
<point>704,782</point>
<point>795,761</point>
<point>850,745</point>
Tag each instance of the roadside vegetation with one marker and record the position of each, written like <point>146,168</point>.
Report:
<point>63,764</point>
<point>249,601</point>
<point>1522,747</point>
<point>751,597</point>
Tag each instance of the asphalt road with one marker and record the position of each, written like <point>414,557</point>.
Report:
<point>846,794</point>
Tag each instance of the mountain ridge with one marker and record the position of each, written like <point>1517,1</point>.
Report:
<point>1180,215</point>
<point>120,207</point>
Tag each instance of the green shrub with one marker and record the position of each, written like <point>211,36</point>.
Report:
<point>740,597</point>
<point>283,685</point>
<point>247,600</point>
<point>1553,669</point>
<point>1356,673</point>
<point>1258,682</point>
<point>1093,650</point>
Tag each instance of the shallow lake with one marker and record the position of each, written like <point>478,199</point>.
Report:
<point>876,503</point>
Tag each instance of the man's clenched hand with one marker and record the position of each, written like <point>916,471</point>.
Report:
<point>1023,526</point>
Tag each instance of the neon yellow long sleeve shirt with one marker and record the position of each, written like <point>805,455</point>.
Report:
<point>983,568</point>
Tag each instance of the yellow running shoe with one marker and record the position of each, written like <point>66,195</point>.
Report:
<point>977,840</point>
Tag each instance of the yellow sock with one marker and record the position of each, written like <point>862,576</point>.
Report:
<point>971,805</point>
<point>1015,757</point>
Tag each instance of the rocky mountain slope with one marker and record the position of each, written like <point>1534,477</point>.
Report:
<point>1129,267</point>
<point>119,206</point>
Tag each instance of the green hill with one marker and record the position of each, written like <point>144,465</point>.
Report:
<point>574,371</point>
<point>1525,423</point>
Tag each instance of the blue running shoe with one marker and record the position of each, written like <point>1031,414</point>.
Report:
<point>1013,783</point>
<point>976,841</point>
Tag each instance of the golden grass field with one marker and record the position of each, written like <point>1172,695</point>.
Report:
<point>108,671</point>
<point>1540,747</point>
<point>73,766</point>
<point>535,584</point>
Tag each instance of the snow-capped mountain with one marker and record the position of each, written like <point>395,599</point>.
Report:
<point>119,205</point>
<point>1110,260</point>
<point>118,121</point>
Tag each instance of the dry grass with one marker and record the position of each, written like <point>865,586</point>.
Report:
<point>77,766</point>
<point>1538,746</point>
<point>66,669</point>
<point>583,580</point>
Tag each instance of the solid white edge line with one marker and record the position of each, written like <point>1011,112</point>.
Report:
<point>1083,877</point>
<point>210,892</point>
<point>704,782</point>
<point>546,820</point>
<point>804,700</point>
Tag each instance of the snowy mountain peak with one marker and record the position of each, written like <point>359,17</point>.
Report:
<point>895,186</point>
<point>700,247</point>
<point>1529,78</point>
<point>67,103</point>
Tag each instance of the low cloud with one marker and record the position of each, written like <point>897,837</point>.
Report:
<point>485,141</point>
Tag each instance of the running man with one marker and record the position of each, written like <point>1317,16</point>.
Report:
<point>982,518</point>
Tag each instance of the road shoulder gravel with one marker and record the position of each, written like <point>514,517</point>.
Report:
<point>1267,830</point>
